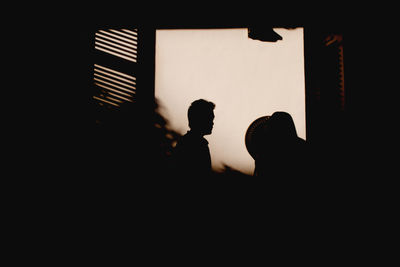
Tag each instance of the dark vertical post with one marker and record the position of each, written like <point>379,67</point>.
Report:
<point>311,92</point>
<point>146,144</point>
<point>146,66</point>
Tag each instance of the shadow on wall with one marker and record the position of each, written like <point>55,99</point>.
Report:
<point>135,142</point>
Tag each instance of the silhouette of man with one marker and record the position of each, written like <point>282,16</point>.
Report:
<point>191,152</point>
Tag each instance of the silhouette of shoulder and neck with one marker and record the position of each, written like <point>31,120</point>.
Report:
<point>192,155</point>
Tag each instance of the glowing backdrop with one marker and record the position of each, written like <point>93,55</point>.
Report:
<point>245,78</point>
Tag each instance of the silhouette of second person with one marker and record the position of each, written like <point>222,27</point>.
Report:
<point>192,154</point>
<point>280,151</point>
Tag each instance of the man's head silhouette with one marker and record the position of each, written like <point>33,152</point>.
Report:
<point>201,116</point>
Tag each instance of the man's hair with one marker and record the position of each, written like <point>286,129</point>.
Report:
<point>198,110</point>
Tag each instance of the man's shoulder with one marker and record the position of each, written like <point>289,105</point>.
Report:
<point>184,138</point>
<point>189,139</point>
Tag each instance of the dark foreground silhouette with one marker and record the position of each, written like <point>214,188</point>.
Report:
<point>279,152</point>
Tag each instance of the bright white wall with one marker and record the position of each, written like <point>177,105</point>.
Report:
<point>245,78</point>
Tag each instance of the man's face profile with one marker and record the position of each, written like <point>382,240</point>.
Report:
<point>209,123</point>
<point>205,123</point>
